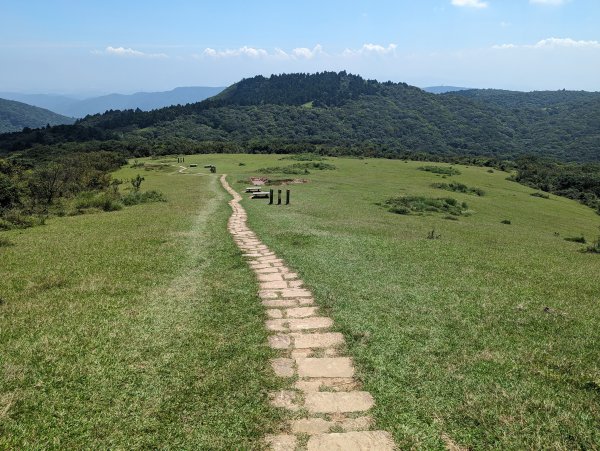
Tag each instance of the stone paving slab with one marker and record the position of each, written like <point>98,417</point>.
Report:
<point>283,442</point>
<point>300,312</point>
<point>352,441</point>
<point>325,367</point>
<point>317,339</point>
<point>315,322</point>
<point>338,402</point>
<point>283,367</point>
<point>280,341</point>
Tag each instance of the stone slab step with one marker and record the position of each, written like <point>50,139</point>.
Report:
<point>338,402</point>
<point>313,426</point>
<point>325,367</point>
<point>352,441</point>
<point>317,339</point>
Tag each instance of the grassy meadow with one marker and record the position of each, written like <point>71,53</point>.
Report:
<point>142,328</point>
<point>138,328</point>
<point>486,337</point>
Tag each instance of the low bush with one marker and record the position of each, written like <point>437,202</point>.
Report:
<point>459,188</point>
<point>506,221</point>
<point>15,219</point>
<point>417,205</point>
<point>298,168</point>
<point>576,239</point>
<point>594,248</point>
<point>540,195</point>
<point>5,242</point>
<point>136,198</point>
<point>444,170</point>
<point>101,201</point>
<point>304,157</point>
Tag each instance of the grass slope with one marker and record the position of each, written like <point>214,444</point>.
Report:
<point>486,337</point>
<point>133,329</point>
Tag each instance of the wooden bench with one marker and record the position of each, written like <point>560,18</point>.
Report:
<point>260,195</point>
<point>253,189</point>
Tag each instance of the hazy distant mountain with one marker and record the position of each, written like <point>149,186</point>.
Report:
<point>443,89</point>
<point>52,102</point>
<point>15,116</point>
<point>145,101</point>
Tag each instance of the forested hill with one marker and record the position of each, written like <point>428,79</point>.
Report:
<point>15,116</point>
<point>341,113</point>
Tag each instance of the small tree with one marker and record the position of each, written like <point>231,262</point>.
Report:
<point>137,183</point>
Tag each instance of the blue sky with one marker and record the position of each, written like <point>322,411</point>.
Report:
<point>78,46</point>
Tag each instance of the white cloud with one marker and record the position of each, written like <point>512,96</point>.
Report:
<point>552,43</point>
<point>297,53</point>
<point>371,49</point>
<point>470,3</point>
<point>549,2</point>
<point>242,51</point>
<point>303,52</point>
<point>129,52</point>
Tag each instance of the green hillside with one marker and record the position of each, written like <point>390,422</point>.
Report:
<point>149,333</point>
<point>343,114</point>
<point>15,116</point>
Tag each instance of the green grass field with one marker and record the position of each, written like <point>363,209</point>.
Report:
<point>141,328</point>
<point>133,329</point>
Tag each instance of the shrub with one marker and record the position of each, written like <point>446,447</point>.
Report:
<point>15,219</point>
<point>506,221</point>
<point>459,188</point>
<point>305,157</point>
<point>136,198</point>
<point>298,168</point>
<point>418,204</point>
<point>540,195</point>
<point>594,248</point>
<point>444,170</point>
<point>576,239</point>
<point>433,236</point>
<point>102,201</point>
<point>5,242</point>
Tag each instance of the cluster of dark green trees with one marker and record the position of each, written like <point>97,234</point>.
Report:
<point>580,182</point>
<point>28,194</point>
<point>340,114</point>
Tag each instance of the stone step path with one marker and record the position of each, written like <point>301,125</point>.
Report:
<point>329,406</point>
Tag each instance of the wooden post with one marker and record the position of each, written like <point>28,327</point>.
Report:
<point>278,197</point>
<point>270,197</point>
<point>287,196</point>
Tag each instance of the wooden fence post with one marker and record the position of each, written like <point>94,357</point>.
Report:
<point>278,197</point>
<point>270,197</point>
<point>287,196</point>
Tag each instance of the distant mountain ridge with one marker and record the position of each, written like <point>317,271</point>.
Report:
<point>15,116</point>
<point>145,101</point>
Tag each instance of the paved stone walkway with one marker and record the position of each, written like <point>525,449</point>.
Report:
<point>330,407</point>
